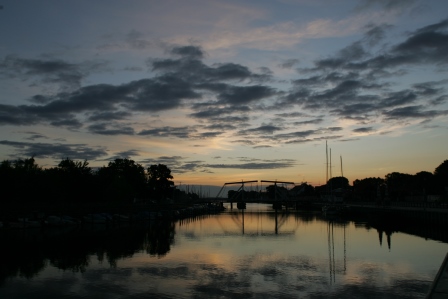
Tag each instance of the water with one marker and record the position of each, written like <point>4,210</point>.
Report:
<point>258,254</point>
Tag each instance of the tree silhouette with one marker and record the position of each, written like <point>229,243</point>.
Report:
<point>122,179</point>
<point>366,189</point>
<point>424,183</point>
<point>28,180</point>
<point>442,170</point>
<point>399,185</point>
<point>441,178</point>
<point>72,181</point>
<point>159,181</point>
<point>276,192</point>
<point>7,178</point>
<point>338,182</point>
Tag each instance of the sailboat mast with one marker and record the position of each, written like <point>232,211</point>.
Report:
<point>326,155</point>
<point>331,175</point>
<point>342,172</point>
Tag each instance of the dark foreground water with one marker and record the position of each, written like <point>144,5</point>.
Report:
<point>258,254</point>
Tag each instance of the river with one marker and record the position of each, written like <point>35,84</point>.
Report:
<point>255,254</point>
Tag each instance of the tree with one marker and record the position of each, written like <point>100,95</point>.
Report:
<point>28,182</point>
<point>159,181</point>
<point>338,182</point>
<point>276,192</point>
<point>77,168</point>
<point>366,189</point>
<point>122,179</point>
<point>303,189</point>
<point>73,180</point>
<point>442,170</point>
<point>441,178</point>
<point>27,166</point>
<point>424,183</point>
<point>399,185</point>
<point>7,178</point>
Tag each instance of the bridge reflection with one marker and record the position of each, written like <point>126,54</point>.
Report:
<point>257,223</point>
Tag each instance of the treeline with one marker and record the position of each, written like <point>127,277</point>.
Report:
<point>124,180</point>
<point>423,185</point>
<point>24,181</point>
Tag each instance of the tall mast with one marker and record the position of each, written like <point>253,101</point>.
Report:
<point>342,172</point>
<point>331,175</point>
<point>326,154</point>
<point>331,187</point>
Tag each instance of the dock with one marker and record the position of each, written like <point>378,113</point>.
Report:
<point>439,287</point>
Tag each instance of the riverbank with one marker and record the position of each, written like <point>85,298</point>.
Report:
<point>439,288</point>
<point>37,215</point>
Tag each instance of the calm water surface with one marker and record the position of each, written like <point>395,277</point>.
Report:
<point>255,254</point>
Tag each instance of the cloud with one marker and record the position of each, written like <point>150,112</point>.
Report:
<point>191,68</point>
<point>104,129</point>
<point>354,83</point>
<point>364,130</point>
<point>105,116</point>
<point>66,75</point>
<point>204,135</point>
<point>267,164</point>
<point>70,123</point>
<point>34,135</point>
<point>289,63</point>
<point>13,115</point>
<point>316,139</point>
<point>193,52</point>
<point>264,129</point>
<point>161,93</point>
<point>427,44</point>
<point>179,132</point>
<point>102,100</point>
<point>191,166</point>
<point>292,114</point>
<point>351,83</point>
<point>375,33</point>
<point>302,134</point>
<point>388,5</point>
<point>176,83</point>
<point>262,136</point>
<point>237,95</point>
<point>179,164</point>
<point>413,112</point>
<point>55,150</point>
<point>136,41</point>
<point>215,112</point>
<point>126,154</point>
<point>221,127</point>
<point>315,121</point>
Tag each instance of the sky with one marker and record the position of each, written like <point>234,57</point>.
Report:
<point>223,91</point>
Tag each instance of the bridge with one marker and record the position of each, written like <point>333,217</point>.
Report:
<point>280,196</point>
